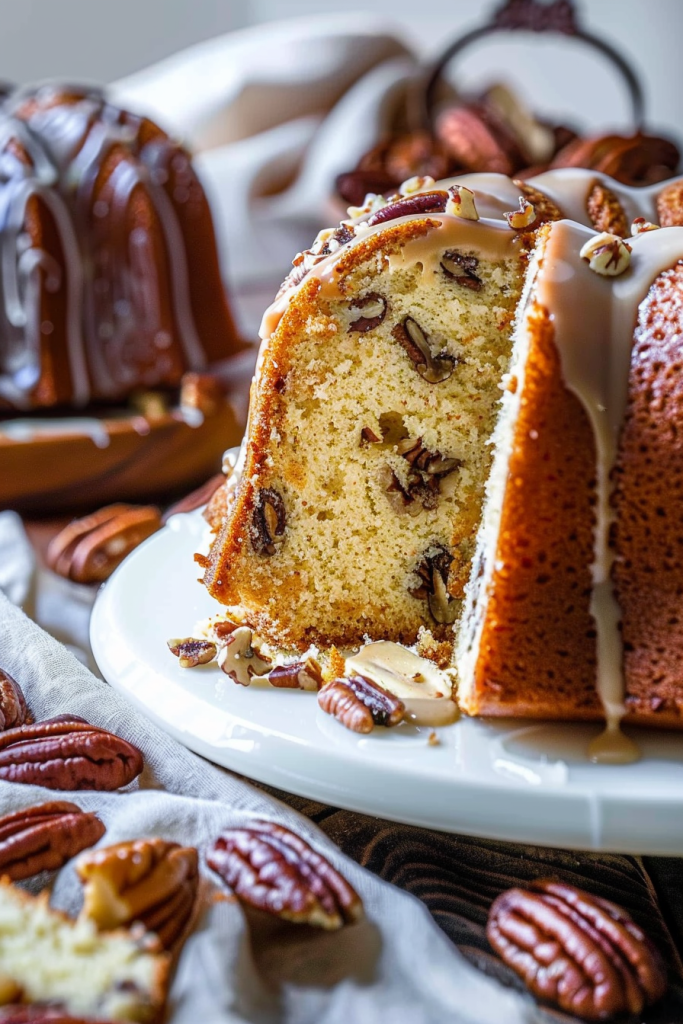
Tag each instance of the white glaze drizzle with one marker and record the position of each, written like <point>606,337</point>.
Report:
<point>599,383</point>
<point>425,689</point>
<point>594,319</point>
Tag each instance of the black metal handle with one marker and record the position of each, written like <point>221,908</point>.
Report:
<point>559,16</point>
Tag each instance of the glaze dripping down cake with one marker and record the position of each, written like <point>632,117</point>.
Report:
<point>110,279</point>
<point>463,425</point>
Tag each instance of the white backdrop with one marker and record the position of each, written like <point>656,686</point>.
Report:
<point>102,41</point>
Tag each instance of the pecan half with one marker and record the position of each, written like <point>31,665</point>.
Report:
<point>461,269</point>
<point>269,867</point>
<point>605,211</point>
<point>13,708</point>
<point>373,309</point>
<point>575,950</point>
<point>68,753</point>
<point>433,369</point>
<point>89,549</point>
<point>433,572</point>
<point>239,660</point>
<point>298,675</point>
<point>147,880</point>
<point>268,520</point>
<point>423,202</point>
<point>44,837</point>
<point>359,704</point>
<point>191,652</point>
<point>339,700</point>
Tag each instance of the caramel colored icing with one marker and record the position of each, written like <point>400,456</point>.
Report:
<point>424,689</point>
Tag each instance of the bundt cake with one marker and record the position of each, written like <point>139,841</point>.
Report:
<point>465,420</point>
<point>110,279</point>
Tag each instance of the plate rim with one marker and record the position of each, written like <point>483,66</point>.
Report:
<point>599,825</point>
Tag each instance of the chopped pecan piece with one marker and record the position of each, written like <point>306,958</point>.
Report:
<point>44,837</point>
<point>68,753</point>
<point>269,867</point>
<point>89,549</point>
<point>359,704</point>
<point>421,202</point>
<point>433,369</point>
<point>223,629</point>
<point>191,652</point>
<point>430,463</point>
<point>462,202</point>
<point>606,254</point>
<point>522,218</point>
<point>268,520</point>
<point>373,309</point>
<point>605,211</point>
<point>369,435</point>
<point>578,951</point>
<point>545,208</point>
<point>147,880</point>
<point>239,660</point>
<point>433,572</point>
<point>298,675</point>
<point>13,708</point>
<point>427,469</point>
<point>461,269</point>
<point>411,499</point>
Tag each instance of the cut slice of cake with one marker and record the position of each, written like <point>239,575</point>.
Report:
<point>45,957</point>
<point>368,444</point>
<point>443,408</point>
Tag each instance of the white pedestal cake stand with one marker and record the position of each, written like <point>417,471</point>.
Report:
<point>512,780</point>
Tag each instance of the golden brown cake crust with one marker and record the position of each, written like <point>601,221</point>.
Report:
<point>649,497</point>
<point>537,653</point>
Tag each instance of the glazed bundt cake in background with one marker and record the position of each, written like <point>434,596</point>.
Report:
<point>463,424</point>
<point>110,279</point>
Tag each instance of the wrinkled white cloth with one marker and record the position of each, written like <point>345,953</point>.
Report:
<point>274,114</point>
<point>395,965</point>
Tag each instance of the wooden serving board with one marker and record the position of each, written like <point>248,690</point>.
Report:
<point>84,462</point>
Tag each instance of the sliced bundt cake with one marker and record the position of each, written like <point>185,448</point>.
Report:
<point>434,436</point>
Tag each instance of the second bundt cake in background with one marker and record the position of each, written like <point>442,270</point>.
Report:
<point>110,279</point>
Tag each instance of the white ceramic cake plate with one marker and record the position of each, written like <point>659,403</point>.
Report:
<point>513,780</point>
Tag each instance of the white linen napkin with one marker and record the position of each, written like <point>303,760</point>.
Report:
<point>396,965</point>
